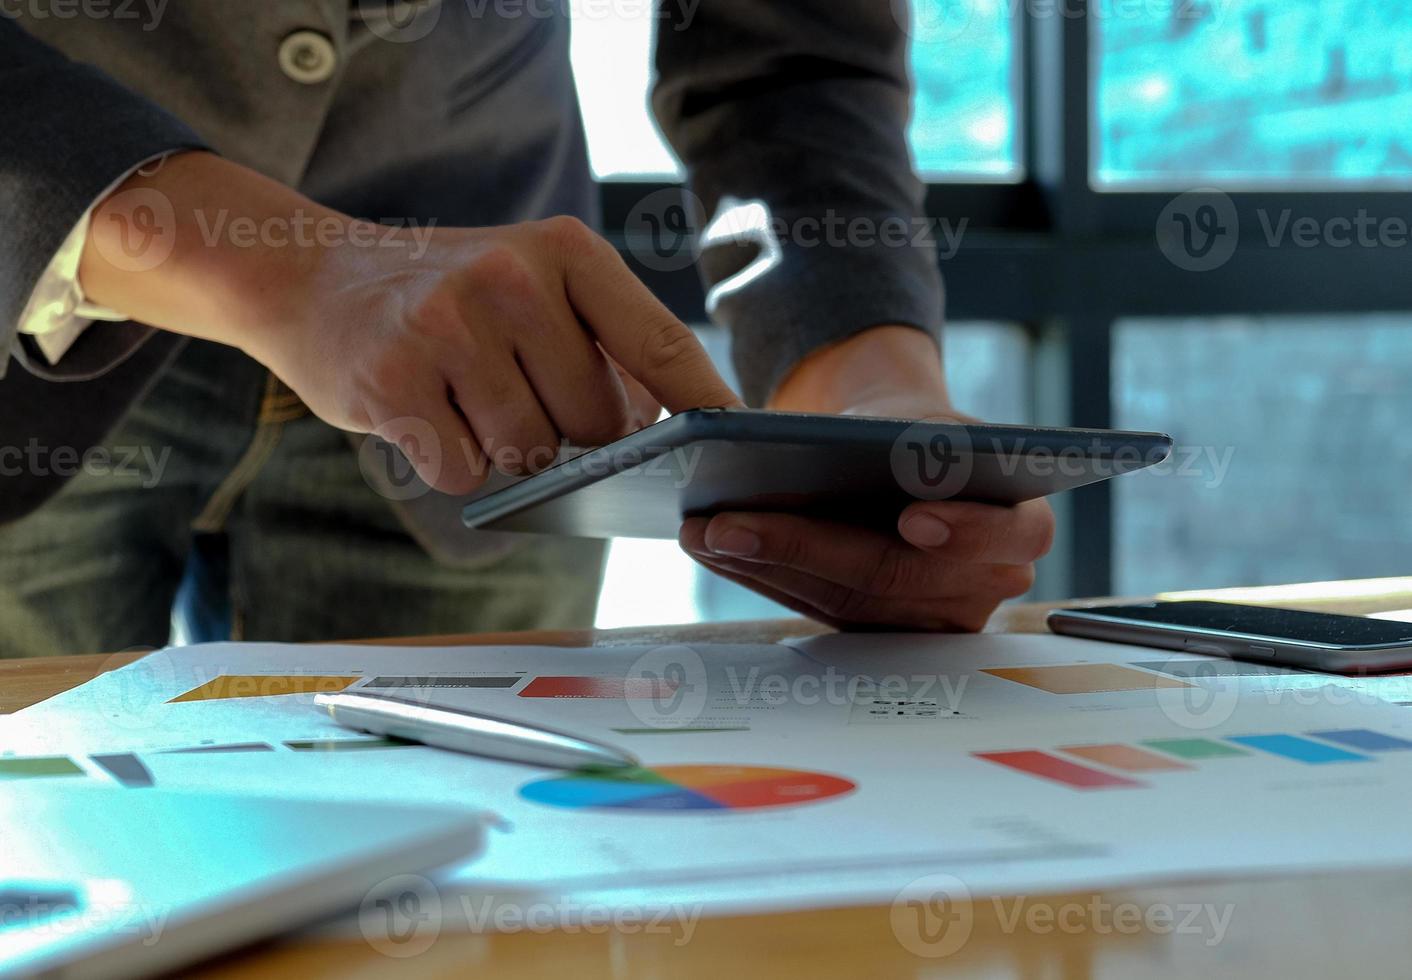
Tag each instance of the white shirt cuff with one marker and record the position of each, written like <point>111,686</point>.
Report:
<point>58,312</point>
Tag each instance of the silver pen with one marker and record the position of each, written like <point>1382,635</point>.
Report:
<point>469,732</point>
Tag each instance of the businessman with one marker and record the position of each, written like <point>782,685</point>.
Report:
<point>236,234</point>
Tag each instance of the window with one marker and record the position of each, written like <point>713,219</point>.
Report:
<point>963,60</point>
<point>1253,92</point>
<point>623,139</point>
<point>1292,459</point>
<point>965,118</point>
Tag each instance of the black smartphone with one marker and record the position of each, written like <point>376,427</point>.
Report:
<point>854,470</point>
<point>1290,637</point>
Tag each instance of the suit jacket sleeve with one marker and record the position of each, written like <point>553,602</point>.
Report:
<point>70,131</point>
<point>801,107</point>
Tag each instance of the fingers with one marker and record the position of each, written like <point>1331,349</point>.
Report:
<point>532,333</point>
<point>633,326</point>
<point>860,559</point>
<point>980,533</point>
<point>838,553</point>
<point>505,416</point>
<point>439,445</point>
<point>726,570</point>
<point>644,407</point>
<point>584,397</point>
<point>852,576</point>
<point>841,606</point>
<point>578,387</point>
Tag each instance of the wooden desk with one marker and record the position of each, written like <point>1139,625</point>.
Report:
<point>1315,926</point>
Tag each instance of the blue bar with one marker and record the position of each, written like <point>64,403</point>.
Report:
<point>1298,749</point>
<point>1363,738</point>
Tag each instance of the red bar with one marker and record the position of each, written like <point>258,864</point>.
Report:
<point>1046,766</point>
<point>637,688</point>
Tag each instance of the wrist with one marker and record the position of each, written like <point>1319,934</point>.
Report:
<point>876,366</point>
<point>205,247</point>
<point>271,291</point>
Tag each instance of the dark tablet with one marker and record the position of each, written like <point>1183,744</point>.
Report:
<point>856,470</point>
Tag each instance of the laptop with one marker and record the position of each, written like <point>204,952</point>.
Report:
<point>113,882</point>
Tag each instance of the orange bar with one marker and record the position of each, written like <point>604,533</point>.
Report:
<point>1124,757</point>
<point>1085,678</point>
<point>229,686</point>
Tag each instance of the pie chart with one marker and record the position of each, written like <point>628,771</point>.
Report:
<point>679,789</point>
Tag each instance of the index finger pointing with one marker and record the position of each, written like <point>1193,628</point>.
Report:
<point>639,332</point>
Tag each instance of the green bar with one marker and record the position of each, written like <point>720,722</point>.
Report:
<point>1194,748</point>
<point>347,744</point>
<point>57,765</point>
<point>675,731</point>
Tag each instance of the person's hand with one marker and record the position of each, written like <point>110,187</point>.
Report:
<point>508,341</point>
<point>502,343</point>
<point>949,564</point>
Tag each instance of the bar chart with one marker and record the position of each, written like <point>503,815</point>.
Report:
<point>1119,765</point>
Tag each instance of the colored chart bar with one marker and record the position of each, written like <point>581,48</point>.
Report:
<point>126,768</point>
<point>439,682</point>
<point>1197,669</point>
<point>348,744</point>
<point>57,765</point>
<point>598,687</point>
<point>239,747</point>
<point>1298,749</point>
<point>230,686</point>
<point>1362,738</point>
<point>678,731</point>
<point>1194,748</point>
<point>1125,757</point>
<point>40,901</point>
<point>1085,678</point>
<point>1058,770</point>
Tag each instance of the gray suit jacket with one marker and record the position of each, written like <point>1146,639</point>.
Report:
<point>466,115</point>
